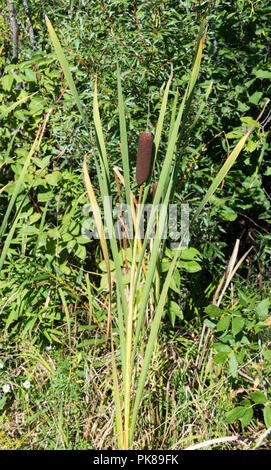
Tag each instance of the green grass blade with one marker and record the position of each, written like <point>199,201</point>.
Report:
<point>124,147</point>
<point>66,69</point>
<point>10,235</point>
<point>97,217</point>
<point>41,226</point>
<point>68,318</point>
<point>173,113</point>
<point>101,232</point>
<point>105,189</point>
<point>14,105</point>
<point>202,106</point>
<point>18,184</point>
<point>174,130</point>
<point>117,398</point>
<point>10,145</point>
<point>197,61</point>
<point>159,127</point>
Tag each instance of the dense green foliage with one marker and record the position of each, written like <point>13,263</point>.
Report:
<point>52,290</point>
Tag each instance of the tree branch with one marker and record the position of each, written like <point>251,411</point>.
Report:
<point>14,31</point>
<point>30,27</point>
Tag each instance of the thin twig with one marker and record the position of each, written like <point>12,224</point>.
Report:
<point>212,442</point>
<point>263,436</point>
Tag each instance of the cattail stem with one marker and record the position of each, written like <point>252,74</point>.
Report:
<point>140,194</point>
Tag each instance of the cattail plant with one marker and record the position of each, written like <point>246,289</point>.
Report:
<point>127,312</point>
<point>144,157</point>
<point>154,188</point>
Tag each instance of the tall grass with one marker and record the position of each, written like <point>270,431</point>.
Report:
<point>135,308</point>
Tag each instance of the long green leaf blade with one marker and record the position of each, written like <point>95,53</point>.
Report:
<point>14,105</point>
<point>18,184</point>
<point>124,147</point>
<point>65,67</point>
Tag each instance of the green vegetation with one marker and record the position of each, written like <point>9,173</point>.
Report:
<point>108,339</point>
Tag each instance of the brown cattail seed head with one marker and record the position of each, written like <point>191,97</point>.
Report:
<point>154,187</point>
<point>144,157</point>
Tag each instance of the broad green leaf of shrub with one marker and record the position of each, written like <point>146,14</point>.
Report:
<point>30,76</point>
<point>247,417</point>
<point>174,311</point>
<point>36,105</point>
<point>7,82</point>
<point>258,397</point>
<point>267,355</point>
<point>221,357</point>
<point>237,325</point>
<point>221,347</point>
<point>227,214</point>
<point>190,266</point>
<point>190,254</point>
<point>3,401</point>
<point>175,282</point>
<point>53,178</point>
<point>224,323</point>
<point>262,74</point>
<point>235,414</point>
<point>103,267</point>
<point>267,415</point>
<point>80,251</point>
<point>233,364</point>
<point>262,309</point>
<point>213,311</point>
<point>255,98</point>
